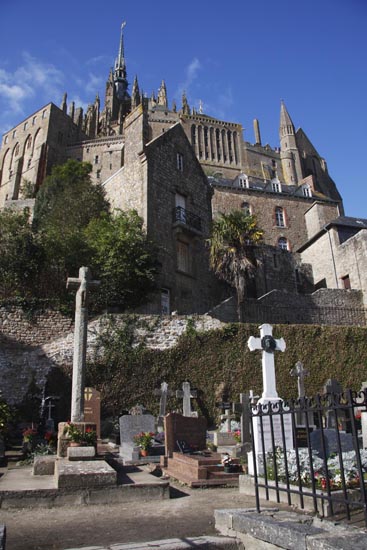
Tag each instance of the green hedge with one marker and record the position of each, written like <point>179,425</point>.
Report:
<point>128,375</point>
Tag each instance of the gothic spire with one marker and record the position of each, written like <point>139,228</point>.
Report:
<point>162,95</point>
<point>135,94</point>
<point>286,125</point>
<point>120,74</point>
<point>120,59</point>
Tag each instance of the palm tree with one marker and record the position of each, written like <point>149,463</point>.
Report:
<point>232,255</point>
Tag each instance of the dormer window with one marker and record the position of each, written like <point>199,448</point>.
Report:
<point>276,187</point>
<point>179,162</point>
<point>306,191</point>
<point>243,181</point>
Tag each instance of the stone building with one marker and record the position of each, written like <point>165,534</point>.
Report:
<point>178,167</point>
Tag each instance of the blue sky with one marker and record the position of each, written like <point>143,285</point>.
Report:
<point>239,57</point>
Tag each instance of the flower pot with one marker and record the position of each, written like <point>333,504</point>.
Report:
<point>74,444</point>
<point>144,452</point>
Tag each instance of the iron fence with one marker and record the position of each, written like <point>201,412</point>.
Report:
<point>186,217</point>
<point>308,452</point>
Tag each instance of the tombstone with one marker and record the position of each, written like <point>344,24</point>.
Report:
<point>224,437</point>
<point>163,393</point>
<point>243,409</point>
<point>300,373</point>
<point>131,425</point>
<point>270,398</point>
<point>183,428</point>
<point>333,388</point>
<point>92,408</point>
<point>83,284</point>
<point>330,442</point>
<point>187,394</point>
<point>50,423</point>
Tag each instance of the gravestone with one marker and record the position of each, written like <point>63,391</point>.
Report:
<point>130,425</point>
<point>92,408</point>
<point>333,389</point>
<point>330,442</point>
<point>192,430</point>
<point>300,373</point>
<point>186,394</point>
<point>262,430</point>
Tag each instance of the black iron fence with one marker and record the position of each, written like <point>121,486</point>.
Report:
<point>186,217</point>
<point>308,452</point>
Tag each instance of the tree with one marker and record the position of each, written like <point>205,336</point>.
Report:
<point>232,257</point>
<point>123,258</point>
<point>21,258</point>
<point>65,205</point>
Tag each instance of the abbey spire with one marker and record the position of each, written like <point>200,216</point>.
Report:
<point>289,153</point>
<point>119,75</point>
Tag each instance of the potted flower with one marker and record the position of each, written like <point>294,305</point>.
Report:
<point>237,436</point>
<point>144,440</point>
<point>74,434</point>
<point>29,436</point>
<point>90,437</point>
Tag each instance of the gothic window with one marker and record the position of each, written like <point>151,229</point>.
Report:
<point>243,181</point>
<point>246,208</point>
<point>44,113</point>
<point>34,120</point>
<point>279,217</point>
<point>29,163</point>
<point>193,135</point>
<point>16,150</point>
<point>179,162</point>
<point>29,142</point>
<point>6,139</point>
<point>25,126</point>
<point>183,257</point>
<point>96,159</point>
<point>283,243</point>
<point>217,141</point>
<point>14,134</point>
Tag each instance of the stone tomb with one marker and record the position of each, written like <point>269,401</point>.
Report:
<point>199,467</point>
<point>131,425</point>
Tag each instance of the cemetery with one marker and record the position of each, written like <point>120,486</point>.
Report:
<point>307,451</point>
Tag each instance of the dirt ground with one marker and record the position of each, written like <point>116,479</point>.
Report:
<point>189,512</point>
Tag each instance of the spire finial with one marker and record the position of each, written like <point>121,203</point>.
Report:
<point>121,56</point>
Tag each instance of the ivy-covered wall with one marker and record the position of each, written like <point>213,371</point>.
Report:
<point>128,375</point>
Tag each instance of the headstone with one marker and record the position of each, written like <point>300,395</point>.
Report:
<point>182,428</point>
<point>263,427</point>
<point>330,442</point>
<point>163,393</point>
<point>83,284</point>
<point>131,425</point>
<point>333,389</point>
<point>300,372</point>
<point>186,394</point>
<point>92,408</point>
<point>50,424</point>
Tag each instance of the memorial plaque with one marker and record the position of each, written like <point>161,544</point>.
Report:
<point>301,436</point>
<point>92,408</point>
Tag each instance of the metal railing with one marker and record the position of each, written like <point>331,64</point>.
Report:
<point>186,217</point>
<point>309,450</point>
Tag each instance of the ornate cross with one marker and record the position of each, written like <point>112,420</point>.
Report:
<point>300,372</point>
<point>186,394</point>
<point>83,284</point>
<point>268,345</point>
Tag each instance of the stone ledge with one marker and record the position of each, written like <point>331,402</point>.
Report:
<point>272,529</point>
<point>205,543</point>
<point>84,474</point>
<point>80,453</point>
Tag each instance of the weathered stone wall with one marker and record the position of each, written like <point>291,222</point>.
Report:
<point>318,216</point>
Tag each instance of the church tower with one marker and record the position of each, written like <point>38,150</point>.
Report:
<point>289,153</point>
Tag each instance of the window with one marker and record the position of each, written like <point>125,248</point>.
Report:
<point>246,208</point>
<point>6,139</point>
<point>29,142</point>
<point>29,163</point>
<point>283,243</point>
<point>16,150</point>
<point>346,282</point>
<point>98,174</point>
<point>25,125</point>
<point>165,301</point>
<point>14,134</point>
<point>279,217</point>
<point>34,120</point>
<point>306,190</point>
<point>183,257</point>
<point>243,181</point>
<point>44,114</point>
<point>276,187</point>
<point>180,203</point>
<point>96,159</point>
<point>179,160</point>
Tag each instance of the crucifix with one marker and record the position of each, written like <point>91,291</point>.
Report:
<point>268,345</point>
<point>82,284</point>
<point>300,372</point>
<point>186,394</point>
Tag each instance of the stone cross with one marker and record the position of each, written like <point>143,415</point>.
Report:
<point>300,372</point>
<point>163,393</point>
<point>252,397</point>
<point>83,284</point>
<point>186,394</point>
<point>268,345</point>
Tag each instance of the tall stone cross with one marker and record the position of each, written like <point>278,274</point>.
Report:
<point>268,345</point>
<point>186,394</point>
<point>300,372</point>
<point>163,393</point>
<point>83,284</point>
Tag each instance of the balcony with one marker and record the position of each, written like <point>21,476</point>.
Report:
<point>186,220</point>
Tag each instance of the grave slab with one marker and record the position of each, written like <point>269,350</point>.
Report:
<point>44,465</point>
<point>84,474</point>
<point>81,453</point>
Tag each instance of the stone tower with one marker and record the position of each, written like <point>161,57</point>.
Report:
<point>289,153</point>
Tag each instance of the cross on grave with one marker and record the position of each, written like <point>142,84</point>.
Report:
<point>300,372</point>
<point>252,397</point>
<point>82,284</point>
<point>186,394</point>
<point>332,388</point>
<point>163,393</point>
<point>268,345</point>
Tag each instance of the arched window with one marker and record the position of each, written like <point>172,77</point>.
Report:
<point>279,217</point>
<point>306,190</point>
<point>246,208</point>
<point>283,243</point>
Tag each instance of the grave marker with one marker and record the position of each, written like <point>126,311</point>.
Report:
<point>131,425</point>
<point>163,393</point>
<point>300,372</point>
<point>186,394</point>
<point>333,389</point>
<point>83,284</point>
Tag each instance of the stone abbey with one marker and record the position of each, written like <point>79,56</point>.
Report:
<point>179,168</point>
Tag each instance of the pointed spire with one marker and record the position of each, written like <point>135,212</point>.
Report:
<point>162,95</point>
<point>63,105</point>
<point>135,94</point>
<point>120,59</point>
<point>286,125</point>
<point>72,110</point>
<point>185,109</point>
